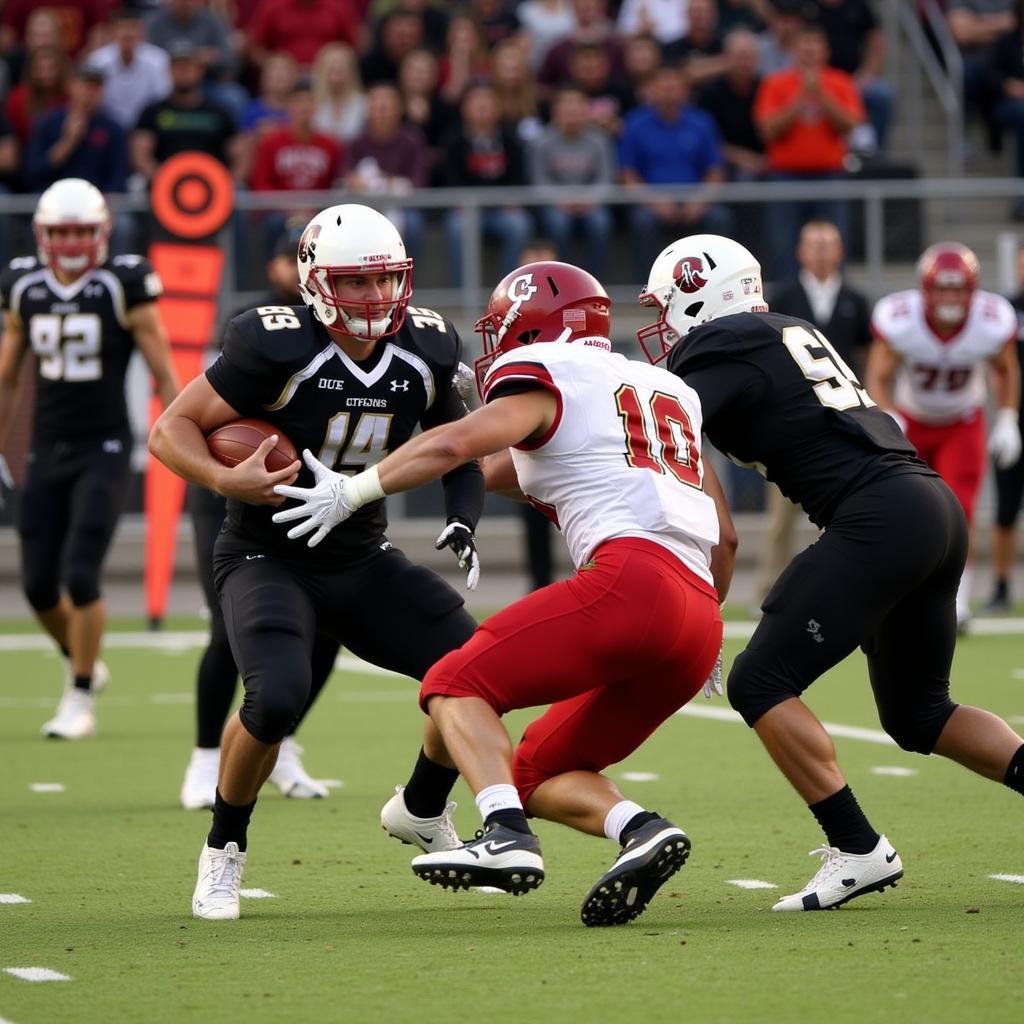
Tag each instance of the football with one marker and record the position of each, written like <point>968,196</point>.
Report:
<point>234,442</point>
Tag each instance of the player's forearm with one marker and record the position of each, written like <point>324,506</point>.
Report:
<point>427,457</point>
<point>1006,387</point>
<point>464,493</point>
<point>179,444</point>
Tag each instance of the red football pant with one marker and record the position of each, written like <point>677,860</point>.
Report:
<point>615,650</point>
<point>956,451</point>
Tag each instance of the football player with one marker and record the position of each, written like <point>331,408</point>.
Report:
<point>608,448</point>
<point>81,315</point>
<point>926,368</point>
<point>882,576</point>
<point>350,374</point>
<point>217,677</point>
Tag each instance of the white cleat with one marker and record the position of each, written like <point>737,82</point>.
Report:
<point>842,876</point>
<point>429,834</point>
<point>199,790</point>
<point>218,888</point>
<point>75,718</point>
<point>291,778</point>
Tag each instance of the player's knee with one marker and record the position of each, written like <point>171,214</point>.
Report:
<point>914,729</point>
<point>41,592</point>
<point>445,680</point>
<point>83,583</point>
<point>753,689</point>
<point>270,713</point>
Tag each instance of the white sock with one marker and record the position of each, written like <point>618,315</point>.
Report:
<point>498,798</point>
<point>963,593</point>
<point>619,817</point>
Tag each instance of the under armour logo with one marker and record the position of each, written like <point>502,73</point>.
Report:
<point>814,628</point>
<point>399,385</point>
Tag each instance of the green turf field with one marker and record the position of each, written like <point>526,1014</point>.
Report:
<point>352,935</point>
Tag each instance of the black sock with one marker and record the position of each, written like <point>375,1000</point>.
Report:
<point>1015,773</point>
<point>83,683</point>
<point>230,824</point>
<point>844,823</point>
<point>636,822</point>
<point>510,817</point>
<point>429,787</point>
<point>1002,591</point>
<point>64,651</point>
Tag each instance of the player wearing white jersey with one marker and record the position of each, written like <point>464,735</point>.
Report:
<point>610,450</point>
<point>927,369</point>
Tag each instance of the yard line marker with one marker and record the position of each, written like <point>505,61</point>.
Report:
<point>331,783</point>
<point>1017,879</point>
<point>4,1020</point>
<point>1015,719</point>
<point>1018,673</point>
<point>36,974</point>
<point>641,776</point>
<point>185,697</point>
<point>902,773</point>
<point>12,897</point>
<point>256,894</point>
<point>750,883</point>
<point>848,732</point>
<point>47,787</point>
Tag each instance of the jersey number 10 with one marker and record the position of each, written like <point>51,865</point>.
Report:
<point>674,435</point>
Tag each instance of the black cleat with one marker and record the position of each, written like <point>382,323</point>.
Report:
<point>654,853</point>
<point>499,858</point>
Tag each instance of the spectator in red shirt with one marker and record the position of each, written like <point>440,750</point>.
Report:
<point>294,158</point>
<point>389,157</point>
<point>82,21</point>
<point>43,28</point>
<point>300,27</point>
<point>804,114</point>
<point>466,59</point>
<point>44,88</point>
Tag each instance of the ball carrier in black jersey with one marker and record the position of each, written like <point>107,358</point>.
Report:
<point>81,315</point>
<point>217,676</point>
<point>883,574</point>
<point>349,376</point>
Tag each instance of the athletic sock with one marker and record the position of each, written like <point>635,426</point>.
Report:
<point>844,823</point>
<point>230,824</point>
<point>637,821</point>
<point>1015,773</point>
<point>510,818</point>
<point>1002,591</point>
<point>618,819</point>
<point>427,791</point>
<point>83,683</point>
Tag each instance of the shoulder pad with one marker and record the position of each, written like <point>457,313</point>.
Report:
<point>431,335</point>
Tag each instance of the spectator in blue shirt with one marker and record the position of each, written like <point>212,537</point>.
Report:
<point>669,142</point>
<point>78,140</point>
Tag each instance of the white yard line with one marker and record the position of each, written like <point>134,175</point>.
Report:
<point>641,776</point>
<point>36,974</point>
<point>750,883</point>
<point>1017,879</point>
<point>46,787</point>
<point>256,894</point>
<point>12,897</point>
<point>894,770</point>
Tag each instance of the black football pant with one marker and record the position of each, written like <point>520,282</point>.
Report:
<point>217,679</point>
<point>72,498</point>
<point>384,609</point>
<point>883,576</point>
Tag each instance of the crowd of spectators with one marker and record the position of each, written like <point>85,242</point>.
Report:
<point>382,96</point>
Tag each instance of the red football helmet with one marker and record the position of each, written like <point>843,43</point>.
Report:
<point>542,302</point>
<point>949,278</point>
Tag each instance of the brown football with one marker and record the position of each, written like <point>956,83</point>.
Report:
<point>234,442</point>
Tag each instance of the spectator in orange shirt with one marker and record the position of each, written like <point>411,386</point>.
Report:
<point>804,114</point>
<point>301,27</point>
<point>294,158</point>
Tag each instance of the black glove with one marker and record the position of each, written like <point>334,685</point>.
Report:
<point>459,537</point>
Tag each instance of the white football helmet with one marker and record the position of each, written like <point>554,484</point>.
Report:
<point>350,240</point>
<point>696,279</point>
<point>72,202</point>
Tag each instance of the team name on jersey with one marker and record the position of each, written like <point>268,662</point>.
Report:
<point>366,403</point>
<point>330,384</point>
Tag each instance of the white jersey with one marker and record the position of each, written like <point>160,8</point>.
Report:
<point>942,381</point>
<point>621,458</point>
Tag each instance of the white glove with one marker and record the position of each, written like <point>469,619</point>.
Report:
<point>713,684</point>
<point>330,501</point>
<point>459,537</point>
<point>6,481</point>
<point>1004,442</point>
<point>898,418</point>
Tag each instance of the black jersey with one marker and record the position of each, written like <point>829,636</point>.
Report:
<point>777,396</point>
<point>80,336</point>
<point>279,364</point>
